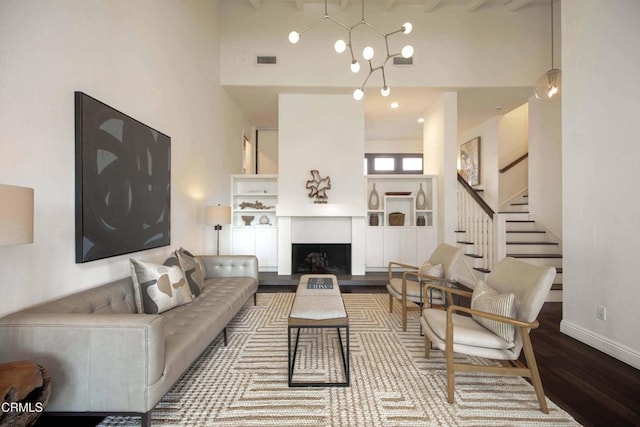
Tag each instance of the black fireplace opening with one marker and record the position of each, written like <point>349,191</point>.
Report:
<point>321,258</point>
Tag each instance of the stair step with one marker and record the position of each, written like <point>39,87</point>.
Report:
<point>464,243</point>
<point>533,243</point>
<point>519,204</point>
<point>527,231</point>
<point>520,220</point>
<point>535,255</point>
<point>482,270</point>
<point>473,256</point>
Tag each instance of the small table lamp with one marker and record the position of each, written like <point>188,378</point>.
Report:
<point>16,215</point>
<point>218,216</point>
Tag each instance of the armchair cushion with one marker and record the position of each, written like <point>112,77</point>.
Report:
<point>486,299</point>
<point>466,331</point>
<point>431,269</point>
<point>158,288</point>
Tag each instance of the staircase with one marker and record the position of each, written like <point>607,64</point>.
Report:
<point>510,232</point>
<point>531,242</point>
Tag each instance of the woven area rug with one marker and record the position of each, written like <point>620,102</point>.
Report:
<point>392,384</point>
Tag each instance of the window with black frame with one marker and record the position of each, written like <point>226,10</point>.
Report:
<point>393,163</point>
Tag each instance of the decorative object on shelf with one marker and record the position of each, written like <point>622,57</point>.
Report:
<point>217,216</point>
<point>397,193</point>
<point>247,219</point>
<point>264,220</point>
<point>374,220</point>
<point>421,199</point>
<point>16,215</point>
<point>470,161</point>
<point>318,187</point>
<point>396,218</point>
<point>256,205</point>
<point>549,83</point>
<point>374,199</point>
<point>368,52</point>
<point>421,221</point>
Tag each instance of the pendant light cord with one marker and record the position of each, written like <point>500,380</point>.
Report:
<point>552,67</point>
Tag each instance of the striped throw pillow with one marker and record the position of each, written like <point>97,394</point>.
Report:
<point>486,299</point>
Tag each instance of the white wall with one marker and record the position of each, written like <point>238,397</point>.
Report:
<point>545,163</point>
<point>268,151</point>
<point>323,132</point>
<point>452,47</point>
<point>157,62</point>
<point>600,140</point>
<point>440,158</point>
<point>513,142</point>
<point>393,146</point>
<point>488,132</point>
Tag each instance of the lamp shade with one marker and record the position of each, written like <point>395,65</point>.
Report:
<point>218,215</point>
<point>16,215</point>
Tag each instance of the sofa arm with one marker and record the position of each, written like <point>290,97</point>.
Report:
<point>230,265</point>
<point>97,362</point>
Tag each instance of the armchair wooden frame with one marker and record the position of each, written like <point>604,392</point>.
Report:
<point>406,304</point>
<point>508,368</point>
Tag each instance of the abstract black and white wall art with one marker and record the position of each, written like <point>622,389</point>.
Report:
<point>123,182</point>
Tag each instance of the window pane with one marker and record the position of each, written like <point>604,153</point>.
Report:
<point>384,164</point>
<point>412,164</point>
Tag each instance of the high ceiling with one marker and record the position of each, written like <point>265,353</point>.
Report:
<point>475,105</point>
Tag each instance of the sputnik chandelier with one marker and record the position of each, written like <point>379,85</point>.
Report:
<point>367,53</point>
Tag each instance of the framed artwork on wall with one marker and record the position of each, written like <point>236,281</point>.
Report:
<point>123,182</point>
<point>470,161</point>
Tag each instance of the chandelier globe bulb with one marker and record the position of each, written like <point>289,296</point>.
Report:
<point>358,94</point>
<point>407,51</point>
<point>385,91</point>
<point>294,37</point>
<point>340,46</point>
<point>407,27</point>
<point>368,53</point>
<point>355,66</point>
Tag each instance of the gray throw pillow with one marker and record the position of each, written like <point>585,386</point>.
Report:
<point>158,288</point>
<point>192,269</point>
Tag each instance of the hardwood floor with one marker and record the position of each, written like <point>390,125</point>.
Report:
<point>596,389</point>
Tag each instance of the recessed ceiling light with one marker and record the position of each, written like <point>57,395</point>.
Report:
<point>394,105</point>
<point>499,107</point>
<point>421,120</point>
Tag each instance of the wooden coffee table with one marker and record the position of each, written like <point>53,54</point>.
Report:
<point>318,304</point>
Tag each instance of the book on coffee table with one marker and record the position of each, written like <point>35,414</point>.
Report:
<point>319,283</point>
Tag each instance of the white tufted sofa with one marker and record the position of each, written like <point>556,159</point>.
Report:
<point>105,358</point>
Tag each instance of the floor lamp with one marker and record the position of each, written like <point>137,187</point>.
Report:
<point>16,215</point>
<point>218,216</point>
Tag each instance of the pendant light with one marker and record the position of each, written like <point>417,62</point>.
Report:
<point>548,85</point>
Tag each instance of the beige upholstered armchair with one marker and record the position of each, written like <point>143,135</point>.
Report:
<point>441,268</point>
<point>503,311</point>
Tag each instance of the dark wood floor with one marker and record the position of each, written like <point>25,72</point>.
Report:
<point>596,389</point>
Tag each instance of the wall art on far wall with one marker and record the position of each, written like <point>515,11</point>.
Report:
<point>123,182</point>
<point>470,161</point>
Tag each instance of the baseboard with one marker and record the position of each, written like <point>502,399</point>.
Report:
<point>612,348</point>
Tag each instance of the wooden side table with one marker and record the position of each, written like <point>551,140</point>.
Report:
<point>24,392</point>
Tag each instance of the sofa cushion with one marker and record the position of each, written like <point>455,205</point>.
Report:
<point>158,288</point>
<point>192,269</point>
<point>486,299</point>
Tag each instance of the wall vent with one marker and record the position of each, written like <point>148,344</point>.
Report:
<point>266,60</point>
<point>399,60</point>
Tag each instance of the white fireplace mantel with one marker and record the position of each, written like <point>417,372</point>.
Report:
<point>320,210</point>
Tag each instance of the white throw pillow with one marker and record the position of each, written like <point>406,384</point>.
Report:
<point>486,299</point>
<point>158,288</point>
